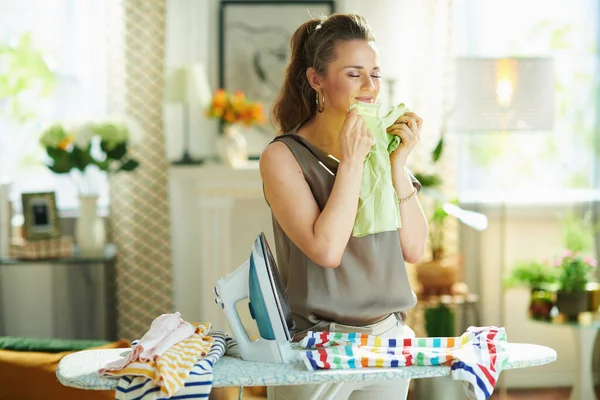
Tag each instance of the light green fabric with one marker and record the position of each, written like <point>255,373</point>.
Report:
<point>378,208</point>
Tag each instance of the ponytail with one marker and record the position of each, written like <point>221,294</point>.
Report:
<point>293,105</point>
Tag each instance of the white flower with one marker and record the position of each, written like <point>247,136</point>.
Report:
<point>83,133</point>
<point>116,130</point>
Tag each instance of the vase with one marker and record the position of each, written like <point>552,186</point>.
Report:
<point>89,228</point>
<point>233,146</point>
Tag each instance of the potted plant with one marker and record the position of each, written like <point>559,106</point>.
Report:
<point>438,274</point>
<point>541,279</point>
<point>74,149</point>
<point>233,110</point>
<point>574,273</point>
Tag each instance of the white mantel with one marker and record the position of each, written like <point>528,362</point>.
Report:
<point>216,213</point>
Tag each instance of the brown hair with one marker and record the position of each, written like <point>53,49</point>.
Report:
<point>312,45</point>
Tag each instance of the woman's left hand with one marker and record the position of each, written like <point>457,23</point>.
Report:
<point>408,127</point>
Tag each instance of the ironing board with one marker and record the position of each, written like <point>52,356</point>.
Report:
<point>79,370</point>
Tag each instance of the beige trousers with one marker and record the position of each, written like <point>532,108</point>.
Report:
<point>392,326</point>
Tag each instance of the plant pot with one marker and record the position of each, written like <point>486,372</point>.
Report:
<point>572,303</point>
<point>440,321</point>
<point>540,304</point>
<point>436,277</point>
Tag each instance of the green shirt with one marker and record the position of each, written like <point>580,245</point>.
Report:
<point>378,207</point>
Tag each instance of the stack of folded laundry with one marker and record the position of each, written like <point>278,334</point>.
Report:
<point>174,357</point>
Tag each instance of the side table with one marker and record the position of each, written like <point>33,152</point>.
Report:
<point>584,334</point>
<point>81,290</point>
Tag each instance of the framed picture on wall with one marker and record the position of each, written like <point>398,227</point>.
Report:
<point>40,216</point>
<point>254,41</point>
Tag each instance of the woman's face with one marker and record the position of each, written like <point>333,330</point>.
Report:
<point>352,76</point>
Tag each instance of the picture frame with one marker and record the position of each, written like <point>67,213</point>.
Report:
<point>254,41</point>
<point>40,216</point>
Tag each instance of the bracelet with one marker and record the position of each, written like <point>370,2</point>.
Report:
<point>413,194</point>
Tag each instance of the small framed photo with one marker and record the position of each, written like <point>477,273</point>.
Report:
<point>41,216</point>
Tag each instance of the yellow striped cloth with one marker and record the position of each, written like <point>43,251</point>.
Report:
<point>171,370</point>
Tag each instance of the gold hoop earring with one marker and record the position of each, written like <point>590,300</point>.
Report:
<point>320,104</point>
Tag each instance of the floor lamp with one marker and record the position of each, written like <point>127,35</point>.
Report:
<point>188,86</point>
<point>503,95</point>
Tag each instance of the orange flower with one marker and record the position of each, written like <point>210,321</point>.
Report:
<point>229,116</point>
<point>234,108</point>
<point>238,97</point>
<point>64,144</point>
<point>257,113</point>
<point>219,98</point>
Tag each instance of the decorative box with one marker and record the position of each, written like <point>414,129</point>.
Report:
<point>61,247</point>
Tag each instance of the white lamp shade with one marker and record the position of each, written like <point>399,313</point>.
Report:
<point>188,85</point>
<point>494,94</point>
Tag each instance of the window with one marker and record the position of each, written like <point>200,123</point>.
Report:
<point>542,164</point>
<point>71,35</point>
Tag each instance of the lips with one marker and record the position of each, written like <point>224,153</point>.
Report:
<point>365,99</point>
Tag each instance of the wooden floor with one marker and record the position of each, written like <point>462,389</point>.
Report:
<point>538,394</point>
<point>523,394</point>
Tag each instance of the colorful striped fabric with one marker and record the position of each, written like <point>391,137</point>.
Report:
<point>170,371</point>
<point>197,385</point>
<point>476,357</point>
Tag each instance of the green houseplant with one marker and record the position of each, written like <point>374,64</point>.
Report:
<point>437,274</point>
<point>532,274</point>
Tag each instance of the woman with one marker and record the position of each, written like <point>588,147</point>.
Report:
<point>312,175</point>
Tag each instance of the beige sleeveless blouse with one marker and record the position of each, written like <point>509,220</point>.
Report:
<point>370,283</point>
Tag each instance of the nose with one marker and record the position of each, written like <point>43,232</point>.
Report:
<point>367,83</point>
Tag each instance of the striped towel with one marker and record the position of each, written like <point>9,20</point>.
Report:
<point>170,371</point>
<point>476,357</point>
<point>197,386</point>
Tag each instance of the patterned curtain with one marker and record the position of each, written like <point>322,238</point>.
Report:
<point>138,201</point>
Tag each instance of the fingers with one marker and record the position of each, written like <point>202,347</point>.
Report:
<point>408,120</point>
<point>412,120</point>
<point>418,119</point>
<point>366,132</point>
<point>351,119</point>
<point>406,134</point>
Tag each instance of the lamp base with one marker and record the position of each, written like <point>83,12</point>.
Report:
<point>186,159</point>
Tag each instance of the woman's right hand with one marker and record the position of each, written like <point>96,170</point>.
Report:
<point>356,139</point>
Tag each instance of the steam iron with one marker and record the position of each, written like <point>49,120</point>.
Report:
<point>258,279</point>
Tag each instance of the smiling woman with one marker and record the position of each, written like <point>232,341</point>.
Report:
<point>339,279</point>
